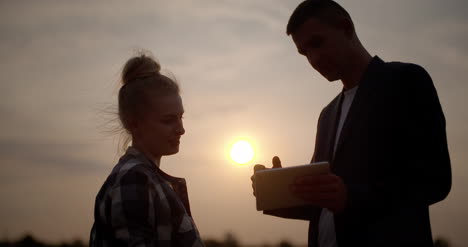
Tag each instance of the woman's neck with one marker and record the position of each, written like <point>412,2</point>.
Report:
<point>156,159</point>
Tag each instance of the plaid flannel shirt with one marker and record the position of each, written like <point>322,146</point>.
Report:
<point>140,205</point>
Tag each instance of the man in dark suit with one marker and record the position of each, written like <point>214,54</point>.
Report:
<point>384,136</point>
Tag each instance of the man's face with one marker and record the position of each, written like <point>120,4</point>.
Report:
<point>325,46</point>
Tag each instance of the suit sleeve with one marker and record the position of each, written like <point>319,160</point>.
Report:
<point>428,179</point>
<point>297,213</point>
<point>419,172</point>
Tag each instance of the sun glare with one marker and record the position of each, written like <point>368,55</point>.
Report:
<point>242,152</point>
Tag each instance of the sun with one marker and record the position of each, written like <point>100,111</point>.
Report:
<point>242,152</point>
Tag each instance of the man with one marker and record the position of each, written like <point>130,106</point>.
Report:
<point>384,136</point>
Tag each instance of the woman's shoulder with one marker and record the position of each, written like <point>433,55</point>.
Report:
<point>133,169</point>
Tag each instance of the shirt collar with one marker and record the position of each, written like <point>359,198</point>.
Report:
<point>139,155</point>
<point>372,71</point>
<point>135,152</point>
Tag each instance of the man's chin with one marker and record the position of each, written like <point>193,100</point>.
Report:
<point>172,151</point>
<point>332,79</point>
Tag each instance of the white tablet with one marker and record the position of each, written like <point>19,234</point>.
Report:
<point>272,185</point>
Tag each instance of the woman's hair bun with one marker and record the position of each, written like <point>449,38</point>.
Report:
<point>138,67</point>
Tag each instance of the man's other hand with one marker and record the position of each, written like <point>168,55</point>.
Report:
<point>326,191</point>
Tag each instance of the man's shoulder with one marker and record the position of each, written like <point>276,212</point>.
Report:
<point>408,75</point>
<point>403,68</point>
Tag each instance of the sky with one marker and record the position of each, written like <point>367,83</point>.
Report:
<point>240,76</point>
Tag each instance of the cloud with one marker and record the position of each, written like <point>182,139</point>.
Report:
<point>37,155</point>
<point>238,71</point>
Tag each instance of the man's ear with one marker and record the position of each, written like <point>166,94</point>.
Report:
<point>347,26</point>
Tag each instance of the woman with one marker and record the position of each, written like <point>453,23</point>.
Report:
<point>139,204</point>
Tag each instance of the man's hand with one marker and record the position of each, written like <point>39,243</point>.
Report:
<point>276,164</point>
<point>326,191</point>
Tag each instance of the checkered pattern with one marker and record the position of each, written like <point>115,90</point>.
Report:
<point>140,205</point>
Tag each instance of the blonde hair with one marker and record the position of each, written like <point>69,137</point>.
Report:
<point>141,81</point>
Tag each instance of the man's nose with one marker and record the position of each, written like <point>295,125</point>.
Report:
<point>314,61</point>
<point>180,128</point>
<point>312,58</point>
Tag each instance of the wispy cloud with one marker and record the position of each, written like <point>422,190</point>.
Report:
<point>238,71</point>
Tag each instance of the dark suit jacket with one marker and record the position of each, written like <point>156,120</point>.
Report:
<point>392,156</point>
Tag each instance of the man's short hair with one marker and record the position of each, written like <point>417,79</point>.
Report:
<point>327,11</point>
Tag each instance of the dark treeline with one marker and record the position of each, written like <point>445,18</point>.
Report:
<point>229,241</point>
<point>29,241</point>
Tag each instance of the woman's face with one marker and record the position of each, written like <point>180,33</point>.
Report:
<point>159,131</point>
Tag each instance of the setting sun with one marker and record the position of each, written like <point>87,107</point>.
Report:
<point>242,152</point>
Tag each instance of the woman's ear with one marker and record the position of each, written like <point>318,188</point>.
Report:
<point>133,126</point>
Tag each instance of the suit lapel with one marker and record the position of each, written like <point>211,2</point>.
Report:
<point>334,118</point>
<point>359,102</point>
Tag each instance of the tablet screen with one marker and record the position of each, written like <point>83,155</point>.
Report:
<point>272,185</point>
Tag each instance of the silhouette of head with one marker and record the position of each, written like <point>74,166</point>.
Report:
<point>324,33</point>
<point>326,11</point>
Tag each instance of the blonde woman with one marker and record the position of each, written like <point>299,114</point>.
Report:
<point>139,204</point>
